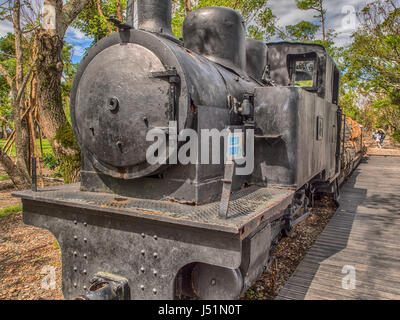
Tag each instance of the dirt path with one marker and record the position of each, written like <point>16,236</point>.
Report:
<point>26,252</point>
<point>384,152</point>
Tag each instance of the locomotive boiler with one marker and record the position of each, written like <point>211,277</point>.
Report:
<point>138,230</point>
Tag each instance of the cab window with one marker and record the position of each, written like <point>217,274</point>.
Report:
<point>303,70</point>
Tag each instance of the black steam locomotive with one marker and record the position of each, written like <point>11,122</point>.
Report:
<point>138,230</point>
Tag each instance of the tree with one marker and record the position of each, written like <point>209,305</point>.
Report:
<point>17,80</point>
<point>92,20</point>
<point>258,16</point>
<point>69,72</point>
<point>188,6</point>
<point>317,5</point>
<point>303,31</point>
<point>306,31</point>
<point>373,60</point>
<point>7,59</point>
<point>53,121</point>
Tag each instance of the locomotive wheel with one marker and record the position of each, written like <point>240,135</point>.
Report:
<point>213,283</point>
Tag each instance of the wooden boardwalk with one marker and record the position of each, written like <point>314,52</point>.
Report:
<point>362,239</point>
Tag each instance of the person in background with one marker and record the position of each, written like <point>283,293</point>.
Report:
<point>377,138</point>
<point>382,137</point>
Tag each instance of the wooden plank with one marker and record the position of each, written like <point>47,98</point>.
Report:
<point>390,275</point>
<point>362,233</point>
<point>308,269</point>
<point>370,291</point>
<point>363,279</point>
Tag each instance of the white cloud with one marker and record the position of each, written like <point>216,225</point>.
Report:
<point>76,34</point>
<point>289,14</point>
<point>79,41</point>
<point>79,51</point>
<point>5,27</point>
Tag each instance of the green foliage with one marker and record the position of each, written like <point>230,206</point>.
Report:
<point>69,72</point>
<point>56,245</point>
<point>65,136</point>
<point>372,62</point>
<point>92,24</point>
<point>7,211</point>
<point>348,104</point>
<point>50,161</point>
<point>5,177</point>
<point>311,5</point>
<point>8,61</point>
<point>68,164</point>
<point>258,16</point>
<point>396,136</point>
<point>373,55</point>
<point>303,31</point>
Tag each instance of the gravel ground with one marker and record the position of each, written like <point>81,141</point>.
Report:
<point>27,256</point>
<point>290,251</point>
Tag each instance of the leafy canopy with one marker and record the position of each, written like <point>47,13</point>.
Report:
<point>258,16</point>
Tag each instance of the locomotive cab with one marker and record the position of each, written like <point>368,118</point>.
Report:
<point>300,115</point>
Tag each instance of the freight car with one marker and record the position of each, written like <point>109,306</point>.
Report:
<point>138,230</point>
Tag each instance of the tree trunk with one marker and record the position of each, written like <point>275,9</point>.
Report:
<point>119,10</point>
<point>188,6</point>
<point>322,12</point>
<point>100,10</point>
<point>19,178</point>
<point>21,126</point>
<point>19,172</point>
<point>52,119</point>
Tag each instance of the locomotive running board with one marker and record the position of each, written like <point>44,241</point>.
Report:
<point>247,207</point>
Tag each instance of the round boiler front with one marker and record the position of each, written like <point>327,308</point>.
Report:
<point>117,99</point>
<point>114,108</point>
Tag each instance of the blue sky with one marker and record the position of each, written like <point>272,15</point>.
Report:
<point>79,41</point>
<point>338,13</point>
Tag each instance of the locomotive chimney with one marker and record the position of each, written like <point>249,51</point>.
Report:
<point>155,16</point>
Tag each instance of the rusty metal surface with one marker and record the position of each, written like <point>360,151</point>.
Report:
<point>247,208</point>
<point>148,253</point>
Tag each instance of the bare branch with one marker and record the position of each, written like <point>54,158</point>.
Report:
<point>70,12</point>
<point>188,6</point>
<point>119,10</point>
<point>25,82</point>
<point>5,73</point>
<point>100,10</point>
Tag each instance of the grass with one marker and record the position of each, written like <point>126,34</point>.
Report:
<point>45,144</point>
<point>7,211</point>
<point>5,177</point>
